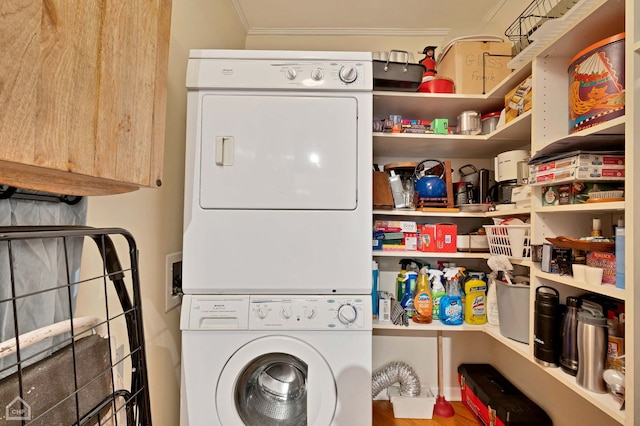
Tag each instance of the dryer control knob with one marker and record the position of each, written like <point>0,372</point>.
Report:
<point>348,74</point>
<point>261,312</point>
<point>347,314</point>
<point>317,74</point>
<point>291,74</point>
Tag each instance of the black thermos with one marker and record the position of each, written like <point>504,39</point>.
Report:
<point>546,326</point>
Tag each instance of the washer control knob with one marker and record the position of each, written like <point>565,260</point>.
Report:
<point>348,74</point>
<point>286,313</point>
<point>311,313</point>
<point>261,312</point>
<point>347,314</point>
<point>317,74</point>
<point>291,74</point>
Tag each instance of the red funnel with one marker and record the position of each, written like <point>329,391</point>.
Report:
<point>442,408</point>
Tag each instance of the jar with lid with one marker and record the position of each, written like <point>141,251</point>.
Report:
<point>469,123</point>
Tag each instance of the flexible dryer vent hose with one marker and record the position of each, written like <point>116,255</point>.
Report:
<point>396,372</point>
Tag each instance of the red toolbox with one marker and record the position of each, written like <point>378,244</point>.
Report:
<point>495,401</point>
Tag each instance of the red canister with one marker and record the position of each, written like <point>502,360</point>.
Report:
<point>489,122</point>
<point>596,83</point>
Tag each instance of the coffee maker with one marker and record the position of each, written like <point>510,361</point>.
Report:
<point>474,186</point>
<point>512,170</point>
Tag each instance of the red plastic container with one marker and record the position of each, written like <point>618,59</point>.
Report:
<point>437,85</point>
<point>596,84</point>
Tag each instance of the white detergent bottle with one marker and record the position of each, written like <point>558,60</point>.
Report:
<point>492,300</point>
<point>437,291</point>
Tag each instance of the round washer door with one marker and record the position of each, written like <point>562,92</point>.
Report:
<point>276,380</point>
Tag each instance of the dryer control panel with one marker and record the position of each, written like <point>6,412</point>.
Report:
<point>278,74</point>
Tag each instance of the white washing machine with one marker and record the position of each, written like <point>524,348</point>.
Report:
<point>276,360</point>
<point>278,173</point>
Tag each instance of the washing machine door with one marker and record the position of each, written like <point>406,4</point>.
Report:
<point>276,381</point>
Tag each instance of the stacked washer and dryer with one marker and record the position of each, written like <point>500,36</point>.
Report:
<point>276,316</point>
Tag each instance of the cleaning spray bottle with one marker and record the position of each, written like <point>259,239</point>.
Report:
<point>405,265</point>
<point>423,302</point>
<point>409,291</point>
<point>476,303</point>
<point>462,277</point>
<point>437,291</point>
<point>451,303</point>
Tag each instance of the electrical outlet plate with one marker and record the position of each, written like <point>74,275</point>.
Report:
<point>171,301</point>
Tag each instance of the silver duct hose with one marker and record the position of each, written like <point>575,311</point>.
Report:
<point>396,372</point>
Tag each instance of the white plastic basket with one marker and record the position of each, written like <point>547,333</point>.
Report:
<point>511,240</point>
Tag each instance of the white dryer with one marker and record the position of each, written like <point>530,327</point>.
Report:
<point>274,361</point>
<point>278,173</point>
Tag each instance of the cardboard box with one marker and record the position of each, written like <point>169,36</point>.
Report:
<point>384,306</point>
<point>554,176</point>
<point>575,192</point>
<point>600,173</point>
<point>463,64</point>
<point>557,195</point>
<point>396,225</point>
<point>377,238</point>
<point>615,350</point>
<point>606,261</point>
<point>411,240</point>
<point>518,100</point>
<point>579,160</point>
<point>438,238</point>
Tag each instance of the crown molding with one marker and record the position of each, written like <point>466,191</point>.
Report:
<point>488,17</point>
<point>362,32</point>
<point>237,10</point>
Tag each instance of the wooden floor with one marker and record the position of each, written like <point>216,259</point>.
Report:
<point>383,416</point>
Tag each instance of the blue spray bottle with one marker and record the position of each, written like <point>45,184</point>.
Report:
<point>409,292</point>
<point>451,303</point>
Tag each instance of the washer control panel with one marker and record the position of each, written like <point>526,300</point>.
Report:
<point>309,312</point>
<point>245,312</point>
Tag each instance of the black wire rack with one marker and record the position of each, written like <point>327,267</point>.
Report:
<point>71,364</point>
<point>533,17</point>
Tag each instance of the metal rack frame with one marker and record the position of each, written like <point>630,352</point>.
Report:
<point>535,15</point>
<point>118,389</point>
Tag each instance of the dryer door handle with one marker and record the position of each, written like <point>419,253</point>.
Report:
<point>225,150</point>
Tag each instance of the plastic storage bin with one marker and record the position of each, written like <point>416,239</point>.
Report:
<point>406,407</point>
<point>511,240</point>
<point>513,310</point>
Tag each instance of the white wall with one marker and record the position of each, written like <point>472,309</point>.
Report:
<point>154,216</point>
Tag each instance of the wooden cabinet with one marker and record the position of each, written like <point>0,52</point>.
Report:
<point>83,94</point>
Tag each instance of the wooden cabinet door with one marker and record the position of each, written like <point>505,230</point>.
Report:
<point>83,94</point>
